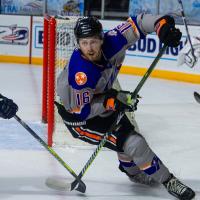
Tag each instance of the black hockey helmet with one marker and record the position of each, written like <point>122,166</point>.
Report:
<point>87,27</point>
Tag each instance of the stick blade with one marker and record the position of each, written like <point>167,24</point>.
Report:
<point>63,184</point>
<point>81,187</point>
<point>58,184</point>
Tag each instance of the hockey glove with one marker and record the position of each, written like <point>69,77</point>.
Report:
<point>120,101</point>
<point>7,107</point>
<point>166,31</point>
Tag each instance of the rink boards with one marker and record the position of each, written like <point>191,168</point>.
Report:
<point>21,41</point>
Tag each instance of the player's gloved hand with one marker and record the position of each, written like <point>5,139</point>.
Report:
<point>166,31</point>
<point>7,107</point>
<point>120,101</point>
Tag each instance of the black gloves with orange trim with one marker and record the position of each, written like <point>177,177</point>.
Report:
<point>166,31</point>
<point>120,101</point>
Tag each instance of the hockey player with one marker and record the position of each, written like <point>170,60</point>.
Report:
<point>89,103</point>
<point>7,107</point>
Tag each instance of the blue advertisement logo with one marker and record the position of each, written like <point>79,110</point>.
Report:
<point>38,37</point>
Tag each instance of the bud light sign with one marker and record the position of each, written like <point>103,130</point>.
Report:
<point>149,47</point>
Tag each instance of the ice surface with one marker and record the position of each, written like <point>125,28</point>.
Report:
<point>168,117</point>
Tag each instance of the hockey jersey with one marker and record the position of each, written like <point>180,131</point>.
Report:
<point>82,84</point>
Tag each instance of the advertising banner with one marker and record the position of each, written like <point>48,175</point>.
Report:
<point>37,42</point>
<point>191,8</point>
<point>14,35</point>
<point>26,7</point>
<point>147,6</point>
<point>36,7</point>
<point>65,7</point>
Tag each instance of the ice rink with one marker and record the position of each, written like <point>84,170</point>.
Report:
<point>168,117</point>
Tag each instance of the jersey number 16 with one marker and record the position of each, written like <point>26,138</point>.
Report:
<point>82,98</point>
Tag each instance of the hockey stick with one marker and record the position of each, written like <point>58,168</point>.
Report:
<point>104,139</point>
<point>81,187</point>
<point>191,62</point>
<point>197,96</point>
<point>148,72</point>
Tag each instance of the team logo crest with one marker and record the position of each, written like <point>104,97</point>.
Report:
<point>80,78</point>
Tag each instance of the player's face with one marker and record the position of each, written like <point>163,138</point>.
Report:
<point>91,48</point>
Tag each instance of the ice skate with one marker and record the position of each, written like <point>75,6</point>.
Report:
<point>178,189</point>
